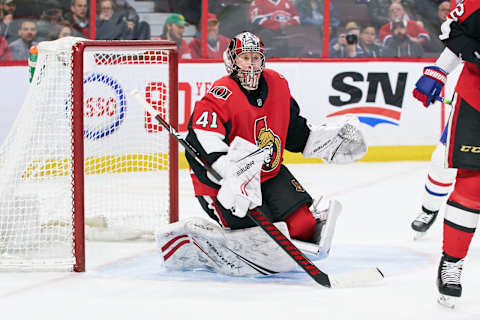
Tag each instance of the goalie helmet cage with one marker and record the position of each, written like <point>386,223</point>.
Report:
<point>83,159</point>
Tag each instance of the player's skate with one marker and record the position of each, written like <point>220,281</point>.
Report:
<point>326,212</point>
<point>423,222</point>
<point>448,281</point>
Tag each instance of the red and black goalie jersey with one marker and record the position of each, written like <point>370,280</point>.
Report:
<point>268,117</point>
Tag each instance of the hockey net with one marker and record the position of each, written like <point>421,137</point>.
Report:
<point>83,159</point>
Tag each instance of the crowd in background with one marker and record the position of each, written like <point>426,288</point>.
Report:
<point>288,28</point>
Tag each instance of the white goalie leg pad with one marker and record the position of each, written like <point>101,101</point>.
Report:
<point>259,251</point>
<point>178,249</point>
<point>326,212</point>
<point>197,243</point>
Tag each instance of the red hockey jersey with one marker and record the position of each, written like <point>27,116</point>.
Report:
<point>225,113</point>
<point>271,13</point>
<point>461,34</point>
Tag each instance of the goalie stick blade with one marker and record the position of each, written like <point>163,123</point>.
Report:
<point>356,278</point>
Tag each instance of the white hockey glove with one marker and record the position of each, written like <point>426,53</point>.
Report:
<point>240,189</point>
<point>338,140</point>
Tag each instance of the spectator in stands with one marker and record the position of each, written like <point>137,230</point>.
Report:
<point>400,44</point>
<point>78,16</point>
<point>192,9</point>
<point>10,22</point>
<point>61,30</point>
<point>33,9</point>
<point>273,15</point>
<point>216,43</point>
<point>367,42</point>
<point>232,15</point>
<point>346,45</point>
<point>5,54</point>
<point>415,31</point>
<point>271,21</point>
<point>378,10</point>
<point>3,14</point>
<point>136,29</point>
<point>110,25</point>
<point>173,30</point>
<point>311,13</point>
<point>433,26</point>
<point>48,20</point>
<point>20,47</point>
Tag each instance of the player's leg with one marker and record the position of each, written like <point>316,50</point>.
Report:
<point>438,185</point>
<point>463,206</point>
<point>311,228</point>
<point>460,222</point>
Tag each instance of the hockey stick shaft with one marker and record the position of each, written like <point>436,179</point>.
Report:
<point>259,217</point>
<point>443,100</point>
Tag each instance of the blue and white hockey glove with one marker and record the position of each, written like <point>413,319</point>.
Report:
<point>429,86</point>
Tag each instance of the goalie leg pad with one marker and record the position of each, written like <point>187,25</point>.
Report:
<point>197,243</point>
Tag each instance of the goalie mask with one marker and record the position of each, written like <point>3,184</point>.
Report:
<point>243,43</point>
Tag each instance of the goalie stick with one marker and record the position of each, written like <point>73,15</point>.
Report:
<point>348,279</point>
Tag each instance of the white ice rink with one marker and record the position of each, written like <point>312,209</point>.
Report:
<point>125,280</point>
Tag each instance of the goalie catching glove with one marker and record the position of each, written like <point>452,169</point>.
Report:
<point>240,189</point>
<point>338,141</point>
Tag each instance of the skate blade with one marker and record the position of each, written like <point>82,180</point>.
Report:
<point>447,301</point>
<point>417,235</point>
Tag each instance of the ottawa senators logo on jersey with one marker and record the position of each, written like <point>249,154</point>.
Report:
<point>265,138</point>
<point>221,92</point>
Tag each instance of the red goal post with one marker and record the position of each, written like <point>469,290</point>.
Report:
<point>83,159</point>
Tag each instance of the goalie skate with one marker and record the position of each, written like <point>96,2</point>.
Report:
<point>326,212</point>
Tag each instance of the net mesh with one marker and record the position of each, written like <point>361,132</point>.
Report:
<point>126,155</point>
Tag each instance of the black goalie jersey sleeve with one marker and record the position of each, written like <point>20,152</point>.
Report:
<point>298,130</point>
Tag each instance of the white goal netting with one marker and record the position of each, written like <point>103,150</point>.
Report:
<point>127,156</point>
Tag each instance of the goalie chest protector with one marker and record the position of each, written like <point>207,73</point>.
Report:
<point>265,125</point>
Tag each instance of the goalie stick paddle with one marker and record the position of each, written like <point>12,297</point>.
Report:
<point>348,279</point>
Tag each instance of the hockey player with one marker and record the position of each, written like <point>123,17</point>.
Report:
<point>461,36</point>
<point>242,127</point>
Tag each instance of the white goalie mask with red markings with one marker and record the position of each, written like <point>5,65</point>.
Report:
<point>240,44</point>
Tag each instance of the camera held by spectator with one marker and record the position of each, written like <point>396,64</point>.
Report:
<point>346,45</point>
<point>351,38</point>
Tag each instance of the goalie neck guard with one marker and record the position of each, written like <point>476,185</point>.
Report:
<point>242,43</point>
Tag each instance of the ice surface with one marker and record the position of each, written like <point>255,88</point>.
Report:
<point>125,280</point>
